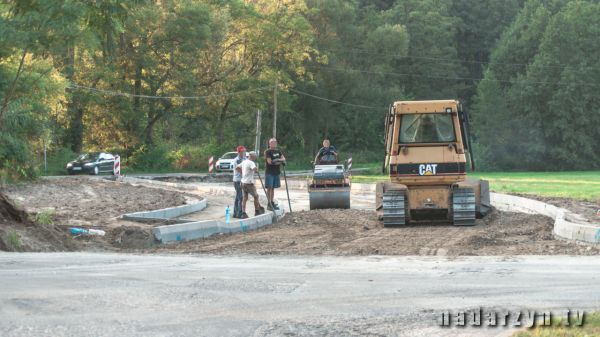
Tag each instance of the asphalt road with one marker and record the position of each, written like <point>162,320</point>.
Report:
<point>87,294</point>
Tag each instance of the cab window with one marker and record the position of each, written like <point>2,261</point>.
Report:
<point>427,128</point>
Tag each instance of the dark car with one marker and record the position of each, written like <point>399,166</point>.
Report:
<point>92,163</point>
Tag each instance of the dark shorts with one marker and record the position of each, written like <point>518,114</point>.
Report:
<point>272,181</point>
<point>249,189</point>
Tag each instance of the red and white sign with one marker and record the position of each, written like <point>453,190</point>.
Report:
<point>350,164</point>
<point>211,165</point>
<point>117,166</point>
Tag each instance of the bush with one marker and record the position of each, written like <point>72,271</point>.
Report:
<point>16,160</point>
<point>190,157</point>
<point>184,157</point>
<point>57,161</point>
<point>150,158</point>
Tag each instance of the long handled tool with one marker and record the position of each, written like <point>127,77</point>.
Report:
<point>286,188</point>
<point>269,201</point>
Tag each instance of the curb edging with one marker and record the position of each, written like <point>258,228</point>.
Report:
<point>567,225</point>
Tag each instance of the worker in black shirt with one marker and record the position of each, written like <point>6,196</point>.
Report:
<point>274,158</point>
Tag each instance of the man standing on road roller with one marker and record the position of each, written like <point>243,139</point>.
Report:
<point>237,181</point>
<point>248,168</point>
<point>274,158</point>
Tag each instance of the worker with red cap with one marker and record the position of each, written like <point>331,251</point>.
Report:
<point>237,181</point>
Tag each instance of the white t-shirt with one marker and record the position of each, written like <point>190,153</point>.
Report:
<point>237,176</point>
<point>248,167</point>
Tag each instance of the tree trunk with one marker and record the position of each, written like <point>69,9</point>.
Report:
<point>74,108</point>
<point>11,90</point>
<point>149,129</point>
<point>221,121</point>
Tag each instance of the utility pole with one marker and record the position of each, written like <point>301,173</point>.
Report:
<point>45,157</point>
<point>257,140</point>
<point>275,109</point>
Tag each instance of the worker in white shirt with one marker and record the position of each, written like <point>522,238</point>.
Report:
<point>248,169</point>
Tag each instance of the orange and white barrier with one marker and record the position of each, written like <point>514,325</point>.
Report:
<point>211,165</point>
<point>117,166</point>
<point>350,164</point>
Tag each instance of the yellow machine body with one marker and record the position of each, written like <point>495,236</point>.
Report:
<point>426,157</point>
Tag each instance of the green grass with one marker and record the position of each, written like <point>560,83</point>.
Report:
<point>14,241</point>
<point>578,185</point>
<point>44,218</point>
<point>583,185</point>
<point>590,327</point>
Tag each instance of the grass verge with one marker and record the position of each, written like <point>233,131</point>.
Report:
<point>590,327</point>
<point>582,185</point>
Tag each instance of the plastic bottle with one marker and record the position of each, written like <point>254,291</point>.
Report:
<point>227,215</point>
<point>96,232</point>
<point>78,231</point>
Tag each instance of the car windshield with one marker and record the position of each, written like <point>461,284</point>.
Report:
<point>427,128</point>
<point>229,155</point>
<point>88,156</point>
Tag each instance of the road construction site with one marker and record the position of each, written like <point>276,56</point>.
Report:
<point>92,202</point>
<point>326,272</point>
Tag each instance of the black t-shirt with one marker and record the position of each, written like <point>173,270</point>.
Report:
<point>323,151</point>
<point>274,155</point>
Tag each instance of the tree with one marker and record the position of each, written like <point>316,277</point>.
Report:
<point>544,68</point>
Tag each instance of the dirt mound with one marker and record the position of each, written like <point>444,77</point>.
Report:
<point>131,237</point>
<point>9,212</point>
<point>356,232</point>
<point>19,233</point>
<point>47,208</point>
<point>88,200</point>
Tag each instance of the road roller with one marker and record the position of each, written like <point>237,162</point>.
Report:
<point>329,186</point>
<point>426,145</point>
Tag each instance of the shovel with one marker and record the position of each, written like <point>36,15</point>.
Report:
<point>265,190</point>
<point>286,187</point>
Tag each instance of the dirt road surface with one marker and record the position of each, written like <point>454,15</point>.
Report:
<point>83,294</point>
<point>357,232</point>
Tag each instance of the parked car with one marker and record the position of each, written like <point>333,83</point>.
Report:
<point>92,163</point>
<point>226,162</point>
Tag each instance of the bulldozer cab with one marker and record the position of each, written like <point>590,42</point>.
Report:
<point>427,138</point>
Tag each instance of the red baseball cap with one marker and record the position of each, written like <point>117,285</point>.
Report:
<point>241,148</point>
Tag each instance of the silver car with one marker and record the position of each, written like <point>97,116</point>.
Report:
<point>226,163</point>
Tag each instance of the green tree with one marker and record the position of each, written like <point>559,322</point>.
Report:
<point>544,71</point>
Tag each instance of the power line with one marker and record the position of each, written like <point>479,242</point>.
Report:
<point>366,51</point>
<point>334,101</point>
<point>118,93</point>
<point>350,70</point>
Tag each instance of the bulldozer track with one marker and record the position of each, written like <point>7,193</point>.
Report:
<point>463,207</point>
<point>394,208</point>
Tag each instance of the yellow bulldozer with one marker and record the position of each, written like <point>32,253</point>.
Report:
<point>426,145</point>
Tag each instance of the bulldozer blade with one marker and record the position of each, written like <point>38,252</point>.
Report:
<point>329,198</point>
